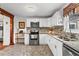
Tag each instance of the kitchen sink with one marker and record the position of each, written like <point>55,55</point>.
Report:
<point>67,38</point>
<point>64,38</point>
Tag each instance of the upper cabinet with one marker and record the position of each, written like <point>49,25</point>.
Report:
<point>29,20</point>
<point>72,7</point>
<point>43,22</point>
<point>71,18</point>
<point>57,19</point>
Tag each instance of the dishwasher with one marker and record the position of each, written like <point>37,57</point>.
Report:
<point>69,51</point>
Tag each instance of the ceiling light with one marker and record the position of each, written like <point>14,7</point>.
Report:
<point>31,8</point>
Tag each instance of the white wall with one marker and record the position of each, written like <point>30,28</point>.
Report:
<point>16,25</point>
<point>43,22</point>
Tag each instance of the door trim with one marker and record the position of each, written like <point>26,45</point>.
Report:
<point>4,12</point>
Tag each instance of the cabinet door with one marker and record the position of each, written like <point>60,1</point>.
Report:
<point>42,39</point>
<point>53,47</point>
<point>54,20</point>
<point>43,22</point>
<point>26,39</point>
<point>1,17</point>
<point>59,46</point>
<point>50,44</point>
<point>28,22</point>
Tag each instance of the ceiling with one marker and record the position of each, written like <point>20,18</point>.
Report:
<point>32,9</point>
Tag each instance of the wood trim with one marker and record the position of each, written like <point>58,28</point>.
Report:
<point>6,13</point>
<point>70,7</point>
<point>11,31</point>
<point>3,12</point>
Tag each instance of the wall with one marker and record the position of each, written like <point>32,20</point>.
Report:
<point>16,25</point>
<point>27,24</point>
<point>44,22</point>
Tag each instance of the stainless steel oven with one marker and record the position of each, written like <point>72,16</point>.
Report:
<point>34,36</point>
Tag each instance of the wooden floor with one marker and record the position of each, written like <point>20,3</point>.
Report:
<point>26,50</point>
<point>1,45</point>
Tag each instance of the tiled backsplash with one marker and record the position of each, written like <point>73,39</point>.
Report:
<point>45,30</point>
<point>41,30</point>
<point>56,30</point>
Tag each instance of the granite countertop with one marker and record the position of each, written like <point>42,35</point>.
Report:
<point>72,44</point>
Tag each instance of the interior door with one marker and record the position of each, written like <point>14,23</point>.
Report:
<point>6,30</point>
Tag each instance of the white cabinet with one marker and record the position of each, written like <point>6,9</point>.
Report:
<point>1,17</point>
<point>44,22</point>
<point>55,45</point>
<point>29,20</point>
<point>49,22</point>
<point>51,44</point>
<point>57,19</point>
<point>53,20</point>
<point>42,39</point>
<point>28,23</point>
<point>26,40</point>
<point>66,24</point>
<point>58,48</point>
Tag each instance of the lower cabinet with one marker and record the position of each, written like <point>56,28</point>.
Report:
<point>55,46</point>
<point>26,39</point>
<point>42,39</point>
<point>58,48</point>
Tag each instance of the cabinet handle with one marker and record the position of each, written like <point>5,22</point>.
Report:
<point>55,46</point>
<point>49,40</point>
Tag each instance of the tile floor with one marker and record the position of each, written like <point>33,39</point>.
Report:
<point>26,50</point>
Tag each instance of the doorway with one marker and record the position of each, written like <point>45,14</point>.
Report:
<point>1,32</point>
<point>11,17</point>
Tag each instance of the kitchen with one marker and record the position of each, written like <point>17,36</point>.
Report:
<point>58,30</point>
